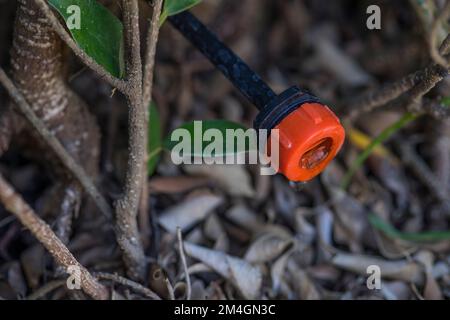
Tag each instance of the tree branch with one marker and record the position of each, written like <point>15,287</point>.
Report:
<point>127,206</point>
<point>68,162</point>
<point>14,203</point>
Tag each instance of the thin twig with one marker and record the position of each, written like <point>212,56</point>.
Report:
<point>415,84</point>
<point>147,86</point>
<point>379,97</point>
<point>434,36</point>
<point>129,283</point>
<point>430,80</point>
<point>183,261</point>
<point>14,203</point>
<point>151,42</point>
<point>87,60</point>
<point>76,170</point>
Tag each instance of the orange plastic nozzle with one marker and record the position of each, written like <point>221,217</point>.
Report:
<point>309,138</point>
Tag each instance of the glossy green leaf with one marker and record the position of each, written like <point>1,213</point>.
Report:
<point>389,230</point>
<point>154,139</point>
<point>196,131</point>
<point>96,30</point>
<point>172,7</point>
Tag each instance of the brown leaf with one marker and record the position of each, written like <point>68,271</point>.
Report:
<point>395,290</point>
<point>351,217</point>
<point>178,184</point>
<point>244,276</point>
<point>245,218</point>
<point>305,230</point>
<point>198,291</point>
<point>277,271</point>
<point>214,230</point>
<point>304,286</point>
<point>324,223</point>
<point>16,279</point>
<point>393,178</point>
<point>332,58</point>
<point>235,179</point>
<point>431,290</point>
<point>32,261</point>
<point>267,247</point>
<point>397,270</point>
<point>189,212</point>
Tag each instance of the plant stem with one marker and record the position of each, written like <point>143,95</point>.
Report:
<point>126,207</point>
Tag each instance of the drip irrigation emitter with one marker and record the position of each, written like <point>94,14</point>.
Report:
<point>310,134</point>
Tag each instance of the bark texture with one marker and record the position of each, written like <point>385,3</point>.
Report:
<point>37,69</point>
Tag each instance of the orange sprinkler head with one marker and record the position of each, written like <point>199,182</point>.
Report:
<point>310,134</point>
<point>310,137</point>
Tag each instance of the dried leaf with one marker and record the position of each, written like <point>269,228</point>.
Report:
<point>304,286</point>
<point>286,199</point>
<point>393,177</point>
<point>214,230</point>
<point>335,60</point>
<point>395,290</point>
<point>397,270</point>
<point>431,290</point>
<point>198,291</point>
<point>177,184</point>
<point>33,263</point>
<point>245,218</point>
<point>277,271</point>
<point>189,212</point>
<point>267,247</point>
<point>235,179</point>
<point>16,279</point>
<point>324,224</point>
<point>305,230</point>
<point>244,276</point>
<point>351,218</point>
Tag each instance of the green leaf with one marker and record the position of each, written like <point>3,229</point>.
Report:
<point>222,126</point>
<point>384,135</point>
<point>99,33</point>
<point>446,101</point>
<point>391,231</point>
<point>172,7</point>
<point>154,139</point>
